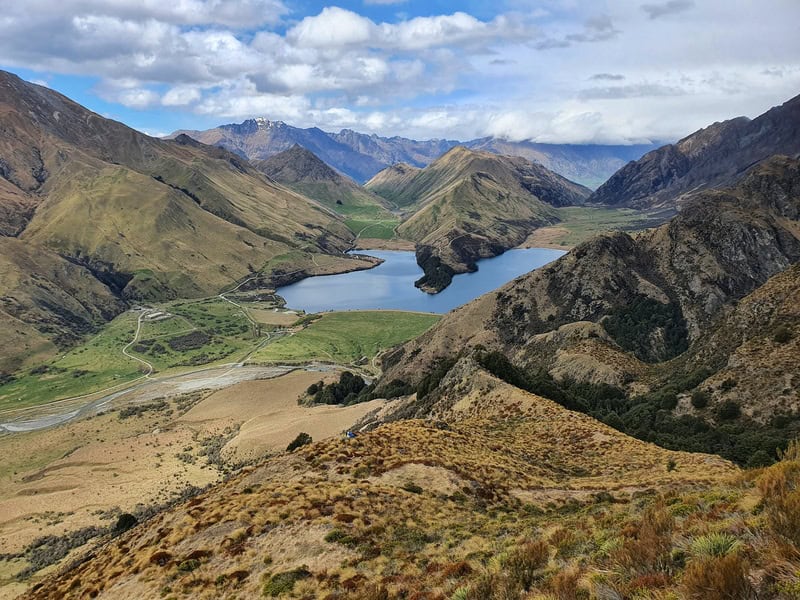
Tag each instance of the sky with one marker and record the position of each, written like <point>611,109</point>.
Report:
<point>556,71</point>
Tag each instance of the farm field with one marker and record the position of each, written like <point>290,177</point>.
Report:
<point>347,337</point>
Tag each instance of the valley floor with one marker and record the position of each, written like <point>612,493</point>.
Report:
<point>157,426</point>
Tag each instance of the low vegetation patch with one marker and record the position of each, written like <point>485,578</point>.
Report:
<point>283,583</point>
<point>651,330</point>
<point>346,391</point>
<point>649,417</point>
<point>302,439</point>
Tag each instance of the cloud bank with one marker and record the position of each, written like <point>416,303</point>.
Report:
<point>548,71</point>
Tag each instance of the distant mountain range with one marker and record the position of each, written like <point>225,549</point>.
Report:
<point>715,156</point>
<point>361,156</point>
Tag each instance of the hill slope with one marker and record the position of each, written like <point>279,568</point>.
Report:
<point>468,205</point>
<point>302,171</point>
<point>148,218</point>
<point>712,157</point>
<point>432,500</point>
<point>613,310</point>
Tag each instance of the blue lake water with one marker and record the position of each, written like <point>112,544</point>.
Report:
<point>391,284</point>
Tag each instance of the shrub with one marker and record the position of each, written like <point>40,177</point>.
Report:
<point>717,578</point>
<point>700,399</point>
<point>483,587</point>
<point>782,334</point>
<point>189,341</point>
<point>412,487</point>
<point>729,410</point>
<point>780,490</point>
<point>345,391</point>
<point>188,566</point>
<point>564,584</point>
<point>301,440</point>
<point>125,522</point>
<point>283,583</point>
<point>372,592</point>
<point>760,458</point>
<point>633,324</point>
<point>648,550</point>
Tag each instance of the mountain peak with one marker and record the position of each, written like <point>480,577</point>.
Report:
<point>298,164</point>
<point>264,123</point>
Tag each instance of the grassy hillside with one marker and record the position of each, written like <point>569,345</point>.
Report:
<point>148,219</point>
<point>365,213</point>
<point>684,335</point>
<point>347,337</point>
<point>46,304</point>
<point>525,500</point>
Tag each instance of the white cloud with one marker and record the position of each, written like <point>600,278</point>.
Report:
<point>181,96</point>
<point>551,70</point>
<point>333,27</point>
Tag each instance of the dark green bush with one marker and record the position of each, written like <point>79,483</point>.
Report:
<point>413,488</point>
<point>283,583</point>
<point>700,399</point>
<point>187,566</point>
<point>434,377</point>
<point>759,459</point>
<point>345,391</point>
<point>124,522</point>
<point>729,410</point>
<point>633,324</point>
<point>301,440</point>
<point>782,334</point>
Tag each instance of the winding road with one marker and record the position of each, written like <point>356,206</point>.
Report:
<point>150,367</point>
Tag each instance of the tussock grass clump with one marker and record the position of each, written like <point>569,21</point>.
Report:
<point>718,578</point>
<point>715,545</point>
<point>525,563</point>
<point>780,489</point>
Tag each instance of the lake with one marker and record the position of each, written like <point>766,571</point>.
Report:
<point>391,284</point>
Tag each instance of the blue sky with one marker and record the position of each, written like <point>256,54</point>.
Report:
<point>566,71</point>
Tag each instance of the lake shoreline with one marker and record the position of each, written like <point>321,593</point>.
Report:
<point>390,285</point>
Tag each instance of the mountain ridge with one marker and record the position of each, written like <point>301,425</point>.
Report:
<point>304,172</point>
<point>361,156</point>
<point>714,156</point>
<point>660,317</point>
